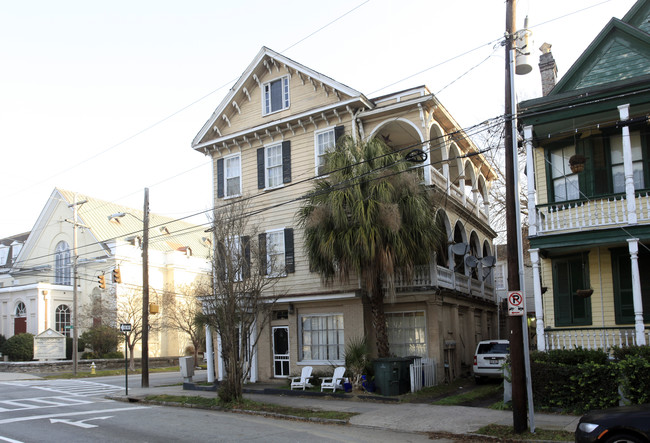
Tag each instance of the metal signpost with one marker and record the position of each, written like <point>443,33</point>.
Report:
<point>126,328</point>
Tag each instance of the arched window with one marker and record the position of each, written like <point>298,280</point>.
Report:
<point>21,310</point>
<point>62,264</point>
<point>62,319</point>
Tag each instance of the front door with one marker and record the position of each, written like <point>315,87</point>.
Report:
<point>281,351</point>
<point>20,325</point>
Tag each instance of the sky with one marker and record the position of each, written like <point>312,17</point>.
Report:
<point>104,98</point>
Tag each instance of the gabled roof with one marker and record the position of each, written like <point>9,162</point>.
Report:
<point>621,51</point>
<point>94,214</point>
<point>263,58</point>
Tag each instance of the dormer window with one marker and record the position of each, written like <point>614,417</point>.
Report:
<point>276,95</point>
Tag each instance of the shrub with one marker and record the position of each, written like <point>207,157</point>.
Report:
<point>620,354</point>
<point>571,357</point>
<point>635,378</point>
<point>19,347</point>
<point>101,339</point>
<point>115,354</point>
<point>2,340</point>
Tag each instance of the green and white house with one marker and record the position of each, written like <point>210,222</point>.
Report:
<point>588,144</point>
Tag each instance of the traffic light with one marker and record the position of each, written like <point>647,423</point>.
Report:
<point>117,277</point>
<point>102,281</point>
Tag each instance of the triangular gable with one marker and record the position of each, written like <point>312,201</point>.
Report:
<point>270,61</point>
<point>618,53</point>
<point>639,16</point>
<point>165,233</point>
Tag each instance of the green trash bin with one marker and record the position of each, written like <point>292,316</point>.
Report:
<point>392,375</point>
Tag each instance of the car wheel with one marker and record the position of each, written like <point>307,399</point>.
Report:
<point>623,438</point>
<point>479,380</point>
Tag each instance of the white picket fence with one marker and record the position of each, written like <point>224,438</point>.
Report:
<point>423,373</point>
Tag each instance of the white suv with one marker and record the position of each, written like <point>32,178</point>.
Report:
<point>489,358</point>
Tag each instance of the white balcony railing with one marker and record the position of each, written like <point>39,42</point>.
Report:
<point>591,338</point>
<point>429,276</point>
<point>440,182</point>
<point>576,216</point>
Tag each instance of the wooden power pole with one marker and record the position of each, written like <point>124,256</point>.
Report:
<point>145,291</point>
<point>514,322</point>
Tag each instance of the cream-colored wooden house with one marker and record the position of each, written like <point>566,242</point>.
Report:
<point>36,276</point>
<point>588,144</point>
<point>267,139</point>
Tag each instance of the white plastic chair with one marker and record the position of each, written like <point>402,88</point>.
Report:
<point>335,381</point>
<point>302,382</point>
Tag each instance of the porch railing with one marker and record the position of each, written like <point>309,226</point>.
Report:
<point>591,338</point>
<point>433,275</point>
<point>590,214</point>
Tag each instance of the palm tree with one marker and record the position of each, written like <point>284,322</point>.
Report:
<point>371,217</point>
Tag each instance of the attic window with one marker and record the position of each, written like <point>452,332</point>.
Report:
<point>276,95</point>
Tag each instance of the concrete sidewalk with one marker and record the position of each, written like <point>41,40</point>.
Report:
<point>13,376</point>
<point>407,417</point>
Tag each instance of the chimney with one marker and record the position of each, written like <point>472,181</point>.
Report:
<point>547,68</point>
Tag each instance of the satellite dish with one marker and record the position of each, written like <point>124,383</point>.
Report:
<point>488,261</point>
<point>460,248</point>
<point>471,261</point>
<point>486,273</point>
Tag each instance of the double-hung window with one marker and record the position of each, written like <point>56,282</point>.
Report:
<point>322,338</point>
<point>565,183</point>
<point>275,253</point>
<point>324,142</point>
<point>276,95</point>
<point>229,176</point>
<point>273,166</point>
<point>407,333</point>
<point>618,171</point>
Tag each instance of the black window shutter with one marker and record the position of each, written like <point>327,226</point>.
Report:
<point>221,261</point>
<point>220,178</point>
<point>289,259</point>
<point>286,161</point>
<point>245,242</point>
<point>262,242</point>
<point>339,131</point>
<point>261,182</point>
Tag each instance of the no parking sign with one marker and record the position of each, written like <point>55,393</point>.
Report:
<point>516,303</point>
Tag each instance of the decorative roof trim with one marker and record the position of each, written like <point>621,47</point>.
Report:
<point>278,59</point>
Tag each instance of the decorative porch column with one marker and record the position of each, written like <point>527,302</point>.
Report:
<point>445,172</point>
<point>530,176</point>
<point>539,305</point>
<point>427,164</point>
<point>475,200</point>
<point>633,244</point>
<point>461,183</point>
<point>624,114</point>
<point>220,367</point>
<point>209,353</point>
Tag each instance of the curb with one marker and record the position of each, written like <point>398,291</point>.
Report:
<point>222,409</point>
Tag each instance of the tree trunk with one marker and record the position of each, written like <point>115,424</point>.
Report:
<point>131,357</point>
<point>379,321</point>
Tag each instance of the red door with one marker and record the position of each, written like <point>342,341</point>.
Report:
<point>20,325</point>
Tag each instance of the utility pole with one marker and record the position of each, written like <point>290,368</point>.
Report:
<point>515,323</point>
<point>145,292</point>
<point>75,276</point>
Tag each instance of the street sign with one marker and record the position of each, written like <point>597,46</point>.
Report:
<point>69,327</point>
<point>125,327</point>
<point>516,304</point>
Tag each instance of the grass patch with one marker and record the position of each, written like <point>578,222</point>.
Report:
<point>250,405</point>
<point>475,394</point>
<point>435,391</point>
<point>107,373</point>
<point>506,433</point>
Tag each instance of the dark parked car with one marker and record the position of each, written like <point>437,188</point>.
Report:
<point>623,424</point>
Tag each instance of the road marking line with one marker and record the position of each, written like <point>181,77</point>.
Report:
<point>10,440</point>
<point>39,417</point>
<point>80,423</point>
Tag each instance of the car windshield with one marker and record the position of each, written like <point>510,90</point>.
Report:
<point>493,348</point>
